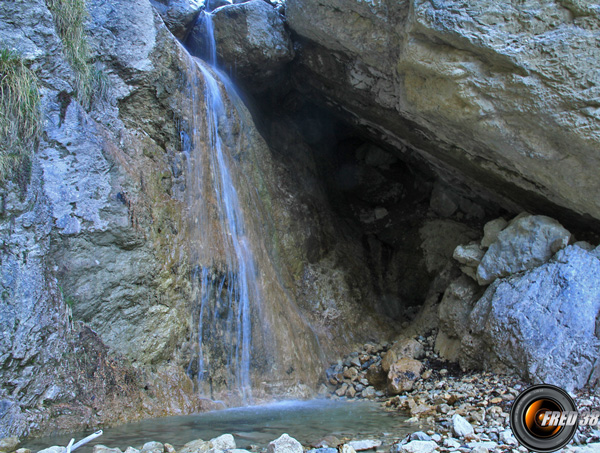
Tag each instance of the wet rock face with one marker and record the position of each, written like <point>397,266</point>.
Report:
<point>252,42</point>
<point>179,15</point>
<point>448,78</point>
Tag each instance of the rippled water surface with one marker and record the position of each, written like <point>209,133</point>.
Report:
<point>307,421</point>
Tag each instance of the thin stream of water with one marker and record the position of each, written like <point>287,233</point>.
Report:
<point>225,291</point>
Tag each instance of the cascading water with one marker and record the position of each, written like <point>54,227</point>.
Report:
<point>225,281</point>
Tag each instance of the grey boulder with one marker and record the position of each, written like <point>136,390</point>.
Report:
<point>251,40</point>
<point>527,242</point>
<point>543,324</point>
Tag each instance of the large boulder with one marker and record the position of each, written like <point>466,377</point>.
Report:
<point>542,324</point>
<point>494,92</point>
<point>527,242</point>
<point>251,40</point>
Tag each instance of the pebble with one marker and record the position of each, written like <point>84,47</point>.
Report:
<point>362,445</point>
<point>451,443</point>
<point>153,447</point>
<point>285,444</point>
<point>418,446</point>
<point>9,444</point>
<point>480,450</point>
<point>347,449</point>
<point>489,445</point>
<point>195,446</point>
<point>420,435</point>
<point>323,450</point>
<point>461,427</point>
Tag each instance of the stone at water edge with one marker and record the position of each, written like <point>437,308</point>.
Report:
<point>323,450</point>
<point>54,449</point>
<point>224,442</point>
<point>420,435</point>
<point>403,374</point>
<point>105,449</point>
<point>168,448</point>
<point>285,444</point>
<point>327,441</point>
<point>9,444</point>
<point>347,449</point>
<point>132,450</point>
<point>196,446</point>
<point>362,445</point>
<point>418,446</point>
<point>461,427</point>
<point>153,447</point>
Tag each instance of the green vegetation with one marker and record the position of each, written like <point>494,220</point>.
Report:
<point>20,118</point>
<point>69,17</point>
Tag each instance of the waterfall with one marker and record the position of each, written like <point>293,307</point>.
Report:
<point>225,283</point>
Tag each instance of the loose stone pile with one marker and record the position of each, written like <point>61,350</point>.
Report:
<point>451,411</point>
<point>466,412</point>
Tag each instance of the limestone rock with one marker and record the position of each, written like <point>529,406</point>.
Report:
<point>543,324</point>
<point>418,446</point>
<point>9,444</point>
<point>224,442</point>
<point>285,444</point>
<point>440,239</point>
<point>388,359</point>
<point>153,447</point>
<point>363,445</point>
<point>453,312</point>
<point>452,99</point>
<point>409,348</point>
<point>105,449</point>
<point>376,376</point>
<point>54,449</point>
<point>470,257</point>
<point>491,230</point>
<point>461,427</point>
<point>403,374</point>
<point>527,242</point>
<point>252,42</point>
<point>179,15</point>
<point>196,446</point>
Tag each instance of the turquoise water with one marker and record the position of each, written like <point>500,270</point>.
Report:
<point>307,421</point>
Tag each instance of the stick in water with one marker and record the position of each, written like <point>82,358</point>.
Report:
<point>69,446</point>
<point>86,440</point>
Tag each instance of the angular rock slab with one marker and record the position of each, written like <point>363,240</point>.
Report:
<point>482,89</point>
<point>543,324</point>
<point>527,242</point>
<point>251,39</point>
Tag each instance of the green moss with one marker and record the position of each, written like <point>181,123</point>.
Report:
<point>21,120</point>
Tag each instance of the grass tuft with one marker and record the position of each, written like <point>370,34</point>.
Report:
<point>20,119</point>
<point>69,17</point>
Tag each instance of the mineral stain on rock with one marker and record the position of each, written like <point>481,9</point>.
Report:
<point>415,179</point>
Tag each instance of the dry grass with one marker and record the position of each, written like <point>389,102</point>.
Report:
<point>20,119</point>
<point>69,17</point>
